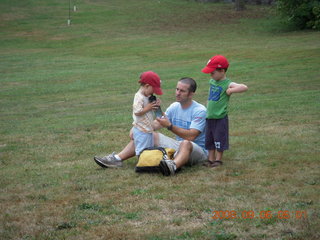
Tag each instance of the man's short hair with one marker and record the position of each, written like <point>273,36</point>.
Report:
<point>191,82</point>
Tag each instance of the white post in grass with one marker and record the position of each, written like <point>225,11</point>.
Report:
<point>69,19</point>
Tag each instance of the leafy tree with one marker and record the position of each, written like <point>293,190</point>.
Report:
<point>240,5</point>
<point>304,14</point>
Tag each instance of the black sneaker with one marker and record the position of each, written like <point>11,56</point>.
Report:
<point>167,167</point>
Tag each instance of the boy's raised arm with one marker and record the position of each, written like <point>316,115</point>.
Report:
<point>236,88</point>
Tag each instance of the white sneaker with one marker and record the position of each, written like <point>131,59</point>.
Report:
<point>108,161</point>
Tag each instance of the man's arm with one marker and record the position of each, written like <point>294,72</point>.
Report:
<point>186,134</point>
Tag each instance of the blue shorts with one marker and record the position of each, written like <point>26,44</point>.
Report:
<point>142,140</point>
<point>217,134</point>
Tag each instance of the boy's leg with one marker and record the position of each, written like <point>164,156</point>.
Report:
<point>212,155</point>
<point>218,160</point>
<point>219,156</point>
<point>222,140</point>
<point>217,140</point>
<point>209,143</point>
<point>142,140</point>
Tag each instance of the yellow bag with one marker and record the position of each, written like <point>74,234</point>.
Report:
<point>150,158</point>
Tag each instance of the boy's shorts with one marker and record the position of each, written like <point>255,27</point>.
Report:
<point>198,154</point>
<point>217,134</point>
<point>142,140</point>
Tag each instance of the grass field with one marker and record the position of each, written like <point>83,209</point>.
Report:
<point>66,94</point>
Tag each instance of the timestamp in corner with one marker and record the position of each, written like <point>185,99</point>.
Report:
<point>250,214</point>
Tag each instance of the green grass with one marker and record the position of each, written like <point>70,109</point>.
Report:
<point>66,94</point>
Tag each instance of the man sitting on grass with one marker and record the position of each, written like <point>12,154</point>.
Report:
<point>186,119</point>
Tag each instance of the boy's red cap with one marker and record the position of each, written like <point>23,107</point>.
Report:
<point>152,79</point>
<point>217,61</point>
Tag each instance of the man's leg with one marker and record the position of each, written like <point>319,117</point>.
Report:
<point>111,161</point>
<point>169,167</point>
<point>128,151</point>
<point>183,155</point>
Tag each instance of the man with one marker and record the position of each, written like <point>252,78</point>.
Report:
<point>186,119</point>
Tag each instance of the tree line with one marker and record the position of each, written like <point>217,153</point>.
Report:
<point>303,14</point>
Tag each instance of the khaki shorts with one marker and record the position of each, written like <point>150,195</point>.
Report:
<point>198,154</point>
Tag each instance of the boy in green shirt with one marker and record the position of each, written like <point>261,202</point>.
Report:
<point>217,123</point>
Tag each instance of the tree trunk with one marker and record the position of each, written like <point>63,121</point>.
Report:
<point>239,5</point>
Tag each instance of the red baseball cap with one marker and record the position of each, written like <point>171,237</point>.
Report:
<point>217,61</point>
<point>153,80</point>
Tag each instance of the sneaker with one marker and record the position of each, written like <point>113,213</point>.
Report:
<point>167,167</point>
<point>108,161</point>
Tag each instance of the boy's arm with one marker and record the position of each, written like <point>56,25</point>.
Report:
<point>146,109</point>
<point>139,110</point>
<point>236,88</point>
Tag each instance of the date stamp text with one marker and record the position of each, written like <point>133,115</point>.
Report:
<point>232,214</point>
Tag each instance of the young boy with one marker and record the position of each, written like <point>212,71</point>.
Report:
<point>143,107</point>
<point>217,123</point>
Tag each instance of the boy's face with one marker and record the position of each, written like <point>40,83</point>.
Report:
<point>218,74</point>
<point>148,90</point>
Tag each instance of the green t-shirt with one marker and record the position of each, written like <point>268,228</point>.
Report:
<point>218,99</point>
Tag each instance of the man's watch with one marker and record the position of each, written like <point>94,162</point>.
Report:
<point>170,127</point>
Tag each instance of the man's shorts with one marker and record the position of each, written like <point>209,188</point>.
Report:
<point>198,154</point>
<point>217,134</point>
<point>141,140</point>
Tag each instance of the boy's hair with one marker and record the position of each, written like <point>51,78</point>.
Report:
<point>191,82</point>
<point>225,69</point>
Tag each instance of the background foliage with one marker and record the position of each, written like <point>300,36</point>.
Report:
<point>304,14</point>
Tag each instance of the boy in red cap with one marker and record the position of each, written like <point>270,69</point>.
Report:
<point>143,105</point>
<point>217,123</point>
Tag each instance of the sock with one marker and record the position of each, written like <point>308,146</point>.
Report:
<point>117,157</point>
<point>175,166</point>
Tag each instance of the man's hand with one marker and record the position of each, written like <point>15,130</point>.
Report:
<point>164,121</point>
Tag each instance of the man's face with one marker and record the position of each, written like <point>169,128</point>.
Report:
<point>182,92</point>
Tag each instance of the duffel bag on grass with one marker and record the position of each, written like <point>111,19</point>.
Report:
<point>150,158</point>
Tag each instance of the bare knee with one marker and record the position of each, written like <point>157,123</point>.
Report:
<point>183,155</point>
<point>186,145</point>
